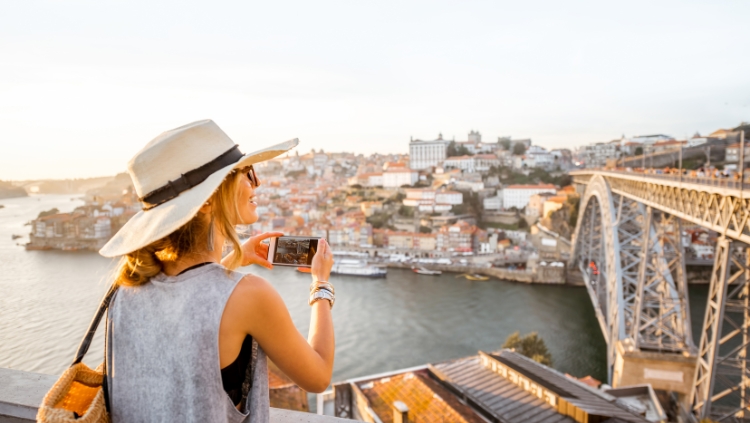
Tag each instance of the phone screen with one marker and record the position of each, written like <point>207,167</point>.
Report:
<point>295,251</point>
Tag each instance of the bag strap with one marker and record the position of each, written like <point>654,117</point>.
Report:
<point>86,342</point>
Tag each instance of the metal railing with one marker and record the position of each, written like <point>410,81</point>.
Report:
<point>707,181</point>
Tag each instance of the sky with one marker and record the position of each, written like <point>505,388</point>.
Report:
<point>84,85</point>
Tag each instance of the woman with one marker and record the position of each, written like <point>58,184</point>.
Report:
<point>182,325</point>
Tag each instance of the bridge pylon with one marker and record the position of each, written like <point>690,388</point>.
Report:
<point>721,387</point>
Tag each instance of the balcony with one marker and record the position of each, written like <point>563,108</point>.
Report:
<point>22,392</point>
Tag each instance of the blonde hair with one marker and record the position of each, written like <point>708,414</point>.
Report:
<point>138,267</point>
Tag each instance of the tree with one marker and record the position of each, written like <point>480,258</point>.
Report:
<point>505,144</point>
<point>531,346</point>
<point>425,229</point>
<point>454,150</point>
<point>638,151</point>
<point>48,213</point>
<point>406,211</point>
<point>518,149</point>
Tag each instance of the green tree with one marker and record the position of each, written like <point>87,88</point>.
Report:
<point>406,211</point>
<point>573,204</point>
<point>425,229</point>
<point>505,144</point>
<point>518,149</point>
<point>48,213</point>
<point>378,220</point>
<point>454,150</point>
<point>638,151</point>
<point>529,345</point>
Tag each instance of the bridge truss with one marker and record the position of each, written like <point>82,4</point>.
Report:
<point>628,247</point>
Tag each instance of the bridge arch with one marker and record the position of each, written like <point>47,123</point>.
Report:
<point>631,260</point>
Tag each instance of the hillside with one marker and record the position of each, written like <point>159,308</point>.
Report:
<point>9,191</point>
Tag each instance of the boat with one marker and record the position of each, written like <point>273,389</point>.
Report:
<point>422,271</point>
<point>14,236</point>
<point>474,277</point>
<point>352,267</point>
<point>477,277</point>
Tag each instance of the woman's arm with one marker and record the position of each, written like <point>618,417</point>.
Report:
<point>256,308</point>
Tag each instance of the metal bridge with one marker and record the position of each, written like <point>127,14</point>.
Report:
<point>628,247</point>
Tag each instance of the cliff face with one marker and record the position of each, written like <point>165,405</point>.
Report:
<point>9,191</point>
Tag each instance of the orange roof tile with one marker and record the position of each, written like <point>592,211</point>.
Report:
<point>427,401</point>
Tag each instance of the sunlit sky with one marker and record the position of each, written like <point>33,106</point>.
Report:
<point>85,84</point>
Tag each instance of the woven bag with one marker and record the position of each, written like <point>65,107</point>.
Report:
<point>79,395</point>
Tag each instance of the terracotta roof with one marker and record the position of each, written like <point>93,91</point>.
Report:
<point>283,392</point>
<point>427,400</point>
<point>558,199</point>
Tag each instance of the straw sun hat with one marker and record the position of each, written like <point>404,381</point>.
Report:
<point>174,175</point>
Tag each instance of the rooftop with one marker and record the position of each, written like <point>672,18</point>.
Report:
<point>424,397</point>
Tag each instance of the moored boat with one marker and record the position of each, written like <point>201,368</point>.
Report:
<point>357,268</point>
<point>422,271</point>
<point>474,277</point>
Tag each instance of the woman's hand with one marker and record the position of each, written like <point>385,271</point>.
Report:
<point>322,262</point>
<point>254,251</point>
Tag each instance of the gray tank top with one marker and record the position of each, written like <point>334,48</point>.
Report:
<point>164,352</point>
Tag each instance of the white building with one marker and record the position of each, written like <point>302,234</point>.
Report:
<point>518,195</point>
<point>596,155</point>
<point>429,200</point>
<point>394,178</point>
<point>649,139</point>
<point>367,179</point>
<point>493,203</point>
<point>471,164</point>
<point>426,154</point>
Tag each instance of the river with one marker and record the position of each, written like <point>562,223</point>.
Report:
<point>47,299</point>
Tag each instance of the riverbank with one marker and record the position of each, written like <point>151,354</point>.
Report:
<point>543,275</point>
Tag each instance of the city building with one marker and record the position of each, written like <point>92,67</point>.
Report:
<point>371,207</point>
<point>596,155</point>
<point>427,154</point>
<point>649,139</point>
<point>430,200</point>
<point>668,145</point>
<point>518,195</point>
<point>457,237</point>
<point>373,179</point>
<point>399,176</point>
<point>471,164</point>
<point>733,153</point>
<point>535,207</point>
<point>493,203</point>
<point>475,145</point>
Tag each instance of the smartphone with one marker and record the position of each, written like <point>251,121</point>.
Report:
<point>297,251</point>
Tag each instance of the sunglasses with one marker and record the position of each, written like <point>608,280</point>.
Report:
<point>253,177</point>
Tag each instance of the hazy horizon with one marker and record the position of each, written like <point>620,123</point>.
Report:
<point>84,84</point>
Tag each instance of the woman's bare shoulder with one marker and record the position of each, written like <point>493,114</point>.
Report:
<point>253,296</point>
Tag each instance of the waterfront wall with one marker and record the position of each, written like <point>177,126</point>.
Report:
<point>22,392</point>
<point>543,274</point>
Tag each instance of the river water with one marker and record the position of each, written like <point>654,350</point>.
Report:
<point>47,299</point>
